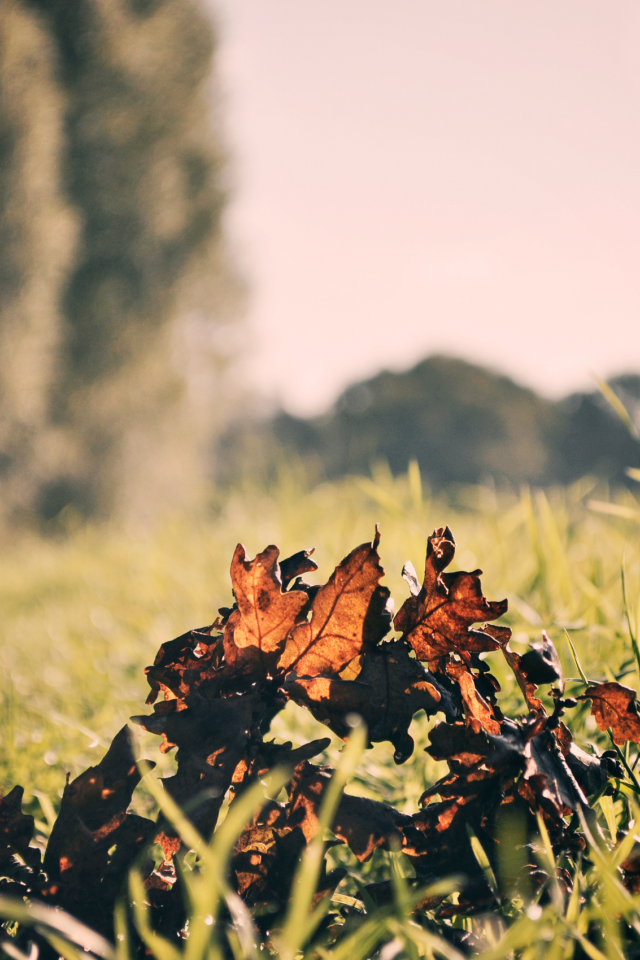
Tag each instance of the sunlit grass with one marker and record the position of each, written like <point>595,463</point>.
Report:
<point>83,612</point>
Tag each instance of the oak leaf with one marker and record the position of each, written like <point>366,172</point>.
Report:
<point>615,706</point>
<point>16,827</point>
<point>437,620</point>
<point>338,631</point>
<point>294,566</point>
<point>256,849</point>
<point>255,633</point>
<point>84,870</point>
<point>527,687</point>
<point>475,705</point>
<point>388,692</point>
<point>184,664</point>
<point>212,737</point>
<point>591,771</point>
<point>363,824</point>
<point>270,755</point>
<point>541,664</point>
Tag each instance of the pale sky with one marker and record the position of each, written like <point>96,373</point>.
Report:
<point>412,176</point>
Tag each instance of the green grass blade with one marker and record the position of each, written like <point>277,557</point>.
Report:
<point>627,610</point>
<point>618,406</point>
<point>576,659</point>
<point>160,947</point>
<point>299,924</point>
<point>484,863</point>
<point>56,922</point>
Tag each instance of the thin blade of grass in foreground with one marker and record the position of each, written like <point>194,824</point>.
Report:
<point>207,888</point>
<point>301,921</point>
<point>56,923</point>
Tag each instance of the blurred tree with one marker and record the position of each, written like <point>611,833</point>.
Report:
<point>37,230</point>
<point>461,422</point>
<point>144,303</point>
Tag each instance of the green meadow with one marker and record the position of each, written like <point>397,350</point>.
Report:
<point>85,608</point>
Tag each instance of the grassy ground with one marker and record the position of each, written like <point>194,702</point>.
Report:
<point>84,611</point>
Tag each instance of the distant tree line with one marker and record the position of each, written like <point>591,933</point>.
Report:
<point>115,287</point>
<point>461,422</point>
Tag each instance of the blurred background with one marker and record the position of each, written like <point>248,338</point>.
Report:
<point>277,270</point>
<point>346,231</point>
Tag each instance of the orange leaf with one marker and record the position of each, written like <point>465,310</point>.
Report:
<point>255,633</point>
<point>391,688</point>
<point>476,707</point>
<point>437,620</point>
<point>338,629</point>
<point>615,706</point>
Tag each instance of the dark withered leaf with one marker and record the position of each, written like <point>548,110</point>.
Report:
<point>364,825</point>
<point>211,737</point>
<point>548,777</point>
<point>16,827</point>
<point>184,664</point>
<point>255,633</point>
<point>591,772</point>
<point>389,690</point>
<point>542,664</point>
<point>296,565</point>
<point>83,875</point>
<point>615,706</point>
<point>460,743</point>
<point>256,849</point>
<point>527,756</point>
<point>475,705</point>
<point>268,850</point>
<point>336,634</point>
<point>438,620</point>
<point>270,755</point>
<point>528,688</point>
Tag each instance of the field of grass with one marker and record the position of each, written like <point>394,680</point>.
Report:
<point>85,609</point>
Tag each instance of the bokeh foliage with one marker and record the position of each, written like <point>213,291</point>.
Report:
<point>463,423</point>
<point>115,284</point>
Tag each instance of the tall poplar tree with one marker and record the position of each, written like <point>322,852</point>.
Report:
<point>36,246</point>
<point>134,390</point>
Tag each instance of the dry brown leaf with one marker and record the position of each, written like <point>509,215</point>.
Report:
<point>255,633</point>
<point>527,687</point>
<point>212,737</point>
<point>16,827</point>
<point>184,664</point>
<point>389,691</point>
<point>256,848</point>
<point>338,630</point>
<point>296,565</point>
<point>270,755</point>
<point>437,621</point>
<point>84,870</point>
<point>475,705</point>
<point>363,824</point>
<point>541,664</point>
<point>615,706</point>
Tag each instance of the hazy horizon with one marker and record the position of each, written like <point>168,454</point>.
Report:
<point>419,177</point>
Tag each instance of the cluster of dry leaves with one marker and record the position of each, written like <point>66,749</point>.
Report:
<point>216,690</point>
